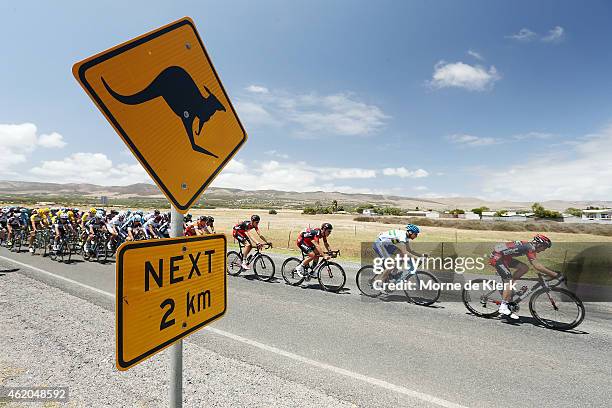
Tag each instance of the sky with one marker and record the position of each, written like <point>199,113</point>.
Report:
<point>490,99</point>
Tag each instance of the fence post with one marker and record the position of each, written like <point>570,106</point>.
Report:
<point>355,230</point>
<point>289,239</point>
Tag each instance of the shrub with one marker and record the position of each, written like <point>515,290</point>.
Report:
<point>272,211</point>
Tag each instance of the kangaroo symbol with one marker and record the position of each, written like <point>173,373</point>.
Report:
<point>182,95</point>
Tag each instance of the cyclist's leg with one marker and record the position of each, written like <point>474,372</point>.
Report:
<point>384,250</point>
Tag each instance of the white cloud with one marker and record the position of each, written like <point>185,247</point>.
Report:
<point>461,75</point>
<point>53,140</point>
<point>533,135</point>
<point>474,141</point>
<point>17,142</point>
<point>257,89</point>
<point>555,35</point>
<point>94,168</point>
<point>421,188</point>
<point>579,173</point>
<point>254,114</point>
<point>275,153</point>
<point>524,34</point>
<point>300,176</point>
<point>475,55</point>
<point>404,172</point>
<point>312,115</point>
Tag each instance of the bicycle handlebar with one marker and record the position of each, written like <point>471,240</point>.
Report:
<point>333,254</point>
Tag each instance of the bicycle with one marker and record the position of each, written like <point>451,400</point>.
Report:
<point>97,247</point>
<point>548,303</point>
<point>263,266</point>
<point>63,252</point>
<point>331,276</point>
<point>420,287</point>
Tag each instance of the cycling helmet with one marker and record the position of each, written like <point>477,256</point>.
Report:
<point>24,210</point>
<point>64,217</point>
<point>137,218</point>
<point>542,240</point>
<point>327,226</point>
<point>413,229</point>
<point>255,218</point>
<point>99,214</point>
<point>211,219</point>
<point>92,210</point>
<point>139,212</point>
<point>188,217</point>
<point>202,218</point>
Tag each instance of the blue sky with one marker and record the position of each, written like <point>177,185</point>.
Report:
<point>478,98</point>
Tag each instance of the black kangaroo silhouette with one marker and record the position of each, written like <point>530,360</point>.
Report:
<point>182,95</point>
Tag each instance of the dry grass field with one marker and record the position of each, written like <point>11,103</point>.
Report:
<point>282,230</point>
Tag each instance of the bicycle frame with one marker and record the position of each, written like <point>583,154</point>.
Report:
<point>518,299</point>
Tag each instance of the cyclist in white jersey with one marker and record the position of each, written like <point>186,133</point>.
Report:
<point>391,241</point>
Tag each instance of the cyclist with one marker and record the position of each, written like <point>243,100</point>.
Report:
<point>308,242</point>
<point>503,259</point>
<point>241,232</point>
<point>93,225</point>
<point>62,223</point>
<point>164,227</point>
<point>151,227</point>
<point>200,226</point>
<point>37,223</point>
<point>210,225</point>
<point>387,243</point>
<point>135,228</point>
<point>114,227</point>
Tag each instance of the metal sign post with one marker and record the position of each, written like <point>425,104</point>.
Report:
<point>176,350</point>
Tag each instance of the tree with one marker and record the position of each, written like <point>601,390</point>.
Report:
<point>334,206</point>
<point>457,211</point>
<point>500,213</point>
<point>542,212</point>
<point>574,211</point>
<point>479,210</point>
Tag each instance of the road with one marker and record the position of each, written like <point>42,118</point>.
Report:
<point>376,352</point>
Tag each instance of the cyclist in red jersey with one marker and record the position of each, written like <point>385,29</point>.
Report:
<point>503,258</point>
<point>309,243</point>
<point>241,232</point>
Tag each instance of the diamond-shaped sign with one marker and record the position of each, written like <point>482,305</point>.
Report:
<point>164,98</point>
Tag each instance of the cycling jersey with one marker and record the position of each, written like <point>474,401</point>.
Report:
<point>244,226</point>
<point>394,236</point>
<point>239,231</point>
<point>502,257</point>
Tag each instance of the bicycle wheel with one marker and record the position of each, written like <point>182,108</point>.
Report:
<point>234,262</point>
<point>332,277</point>
<point>365,277</point>
<point>101,252</point>
<point>422,288</point>
<point>289,273</point>
<point>480,300</point>
<point>52,252</point>
<point>557,308</point>
<point>263,266</point>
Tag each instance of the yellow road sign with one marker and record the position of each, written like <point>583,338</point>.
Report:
<point>166,290</point>
<point>164,98</point>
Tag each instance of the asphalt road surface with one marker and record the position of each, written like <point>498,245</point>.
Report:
<point>372,352</point>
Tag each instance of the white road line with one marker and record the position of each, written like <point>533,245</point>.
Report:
<point>57,276</point>
<point>351,374</point>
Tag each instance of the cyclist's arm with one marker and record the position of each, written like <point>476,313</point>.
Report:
<point>326,244</point>
<point>541,268</point>
<point>252,236</point>
<point>412,251</point>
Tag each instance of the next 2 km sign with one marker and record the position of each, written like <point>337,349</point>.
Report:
<point>166,290</point>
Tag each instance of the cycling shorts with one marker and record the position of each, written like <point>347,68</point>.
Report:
<point>502,266</point>
<point>384,249</point>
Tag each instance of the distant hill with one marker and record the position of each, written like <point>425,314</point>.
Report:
<point>230,197</point>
